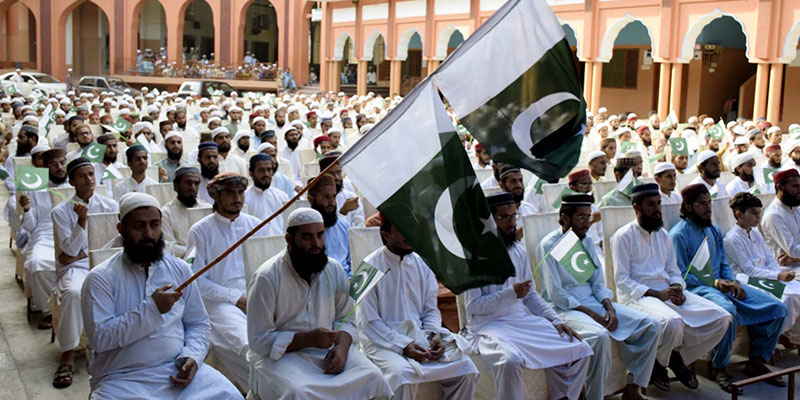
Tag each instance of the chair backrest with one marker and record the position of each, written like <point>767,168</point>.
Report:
<point>363,241</point>
<point>101,228</point>
<point>152,172</point>
<point>297,204</point>
<point>156,157</point>
<point>64,193</point>
<point>551,191</point>
<point>613,219</point>
<point>601,188</point>
<point>310,169</point>
<point>72,146</point>
<point>726,176</point>
<point>307,156</point>
<point>258,250</point>
<point>536,227</point>
<point>671,215</point>
<point>766,199</point>
<point>722,215</point>
<point>97,257</point>
<point>97,130</point>
<point>163,192</point>
<point>196,214</point>
<point>483,174</point>
<point>682,180</point>
<point>21,161</point>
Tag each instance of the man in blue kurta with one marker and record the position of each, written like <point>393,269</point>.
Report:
<point>762,313</point>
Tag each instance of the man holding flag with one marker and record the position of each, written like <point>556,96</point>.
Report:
<point>400,327</point>
<point>626,171</point>
<point>699,249</point>
<point>299,326</point>
<point>575,285</point>
<point>511,328</point>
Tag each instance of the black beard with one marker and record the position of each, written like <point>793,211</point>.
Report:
<point>244,148</point>
<point>339,187</point>
<point>224,148</point>
<point>790,200</point>
<point>262,186</point>
<point>747,177</point>
<point>56,180</point>
<point>181,125</point>
<point>777,166</point>
<point>699,220</point>
<point>139,253</point>
<point>280,124</point>
<point>508,238</point>
<point>174,155</point>
<point>110,159</point>
<point>796,160</point>
<point>650,224</point>
<point>23,151</point>
<point>518,197</point>
<point>306,263</point>
<point>209,173</point>
<point>292,145</point>
<point>188,201</point>
<point>329,219</point>
<point>647,143</point>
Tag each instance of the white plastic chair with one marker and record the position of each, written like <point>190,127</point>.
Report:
<point>613,219</point>
<point>601,188</point>
<point>196,214</point>
<point>483,174</point>
<point>722,215</point>
<point>551,191</point>
<point>536,227</point>
<point>363,241</point>
<point>258,250</point>
<point>682,180</point>
<point>163,192</point>
<point>97,257</point>
<point>670,214</point>
<point>101,228</point>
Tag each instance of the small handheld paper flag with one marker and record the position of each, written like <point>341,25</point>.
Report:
<point>763,179</point>
<point>190,257</point>
<point>31,179</point>
<point>754,190</point>
<point>3,173</point>
<point>717,131</point>
<point>656,157</point>
<point>627,146</point>
<point>700,266</point>
<point>679,146</point>
<point>775,288</point>
<point>566,191</point>
<point>141,139</point>
<point>95,152</point>
<point>47,118</point>
<point>111,172</point>
<point>671,120</point>
<point>571,254</point>
<point>11,89</point>
<point>121,125</point>
<point>714,191</point>
<point>537,184</point>
<point>365,277</point>
<point>626,184</point>
<point>794,131</point>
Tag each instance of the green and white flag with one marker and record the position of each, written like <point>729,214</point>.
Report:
<point>413,167</point>
<point>714,191</point>
<point>566,191</point>
<point>626,184</point>
<point>763,178</point>
<point>189,258</point>
<point>365,277</point>
<point>11,89</point>
<point>717,131</point>
<point>775,288</point>
<point>538,184</point>
<point>700,266</point>
<point>121,125</point>
<point>32,179</point>
<point>47,118</point>
<point>679,146</point>
<point>571,254</point>
<point>3,173</point>
<point>671,120</point>
<point>95,152</point>
<point>627,146</point>
<point>524,101</point>
<point>755,190</point>
<point>111,172</point>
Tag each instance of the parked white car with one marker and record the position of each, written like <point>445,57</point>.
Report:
<point>47,84</point>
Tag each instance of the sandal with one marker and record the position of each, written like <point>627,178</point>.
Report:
<point>774,381</point>
<point>45,324</point>
<point>685,376</point>
<point>660,377</point>
<point>63,376</point>
<point>725,382</point>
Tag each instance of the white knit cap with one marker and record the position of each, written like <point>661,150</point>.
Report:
<point>304,216</point>
<point>133,200</point>
<point>738,130</point>
<point>263,146</point>
<point>137,127</point>
<point>773,129</point>
<point>663,167</point>
<point>219,131</point>
<point>742,158</point>
<point>39,148</point>
<point>171,134</point>
<point>596,154</point>
<point>704,155</point>
<point>708,121</point>
<point>740,140</point>
<point>240,134</point>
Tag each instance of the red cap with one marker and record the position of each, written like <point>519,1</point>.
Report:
<point>784,175</point>
<point>310,113</point>
<point>772,148</point>
<point>642,128</point>
<point>478,147</point>
<point>320,139</point>
<point>575,175</point>
<point>764,125</point>
<point>253,116</point>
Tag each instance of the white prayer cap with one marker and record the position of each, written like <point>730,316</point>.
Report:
<point>741,158</point>
<point>596,154</point>
<point>171,134</point>
<point>740,140</point>
<point>134,200</point>
<point>663,167</point>
<point>39,148</point>
<point>149,95</point>
<point>793,145</point>
<point>137,127</point>
<point>235,108</point>
<point>291,109</point>
<point>61,113</point>
<point>214,118</point>
<point>738,131</point>
<point>263,146</point>
<point>170,109</point>
<point>304,216</point>
<point>334,129</point>
<point>602,110</point>
<point>66,101</point>
<point>632,154</point>
<point>151,109</point>
<point>240,134</point>
<point>749,124</point>
<point>613,117</point>
<point>793,126</point>
<point>30,118</point>
<point>730,124</point>
<point>708,121</point>
<point>704,155</point>
<point>773,129</point>
<point>297,122</point>
<point>124,111</point>
<point>259,119</point>
<point>639,124</point>
<point>219,131</point>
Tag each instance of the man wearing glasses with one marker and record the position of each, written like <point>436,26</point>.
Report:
<point>581,181</point>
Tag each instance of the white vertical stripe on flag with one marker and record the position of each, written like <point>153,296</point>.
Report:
<point>564,245</point>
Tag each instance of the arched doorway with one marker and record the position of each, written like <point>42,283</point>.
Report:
<point>151,40</point>
<point>378,67</point>
<point>572,40</point>
<point>198,32</point>
<point>412,68</point>
<point>348,73</point>
<point>314,44</point>
<point>456,38</point>
<point>88,38</point>
<point>261,31</point>
<point>629,83</point>
<point>19,39</point>
<point>718,70</point>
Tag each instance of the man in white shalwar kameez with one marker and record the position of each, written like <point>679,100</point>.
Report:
<point>708,165</point>
<point>742,166</point>
<point>665,175</point>
<point>781,222</point>
<point>400,327</point>
<point>40,262</point>
<point>750,256</point>
<point>208,158</point>
<point>175,214</point>
<point>587,308</point>
<point>148,341</point>
<point>648,280</point>
<point>298,325</point>
<point>72,264</point>
<point>137,161</point>
<point>512,328</point>
<point>223,287</point>
<point>262,198</point>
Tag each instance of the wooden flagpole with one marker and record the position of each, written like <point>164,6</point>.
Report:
<point>254,230</point>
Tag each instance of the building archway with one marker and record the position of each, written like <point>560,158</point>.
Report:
<point>151,35</point>
<point>378,67</point>
<point>260,31</point>
<point>19,45</point>
<point>572,40</point>
<point>410,51</point>
<point>88,40</point>
<point>198,32</point>
<point>697,28</point>
<point>629,81</point>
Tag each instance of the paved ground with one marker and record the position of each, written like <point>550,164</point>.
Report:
<point>28,359</point>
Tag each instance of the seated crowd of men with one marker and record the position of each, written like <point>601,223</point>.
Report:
<point>292,330</point>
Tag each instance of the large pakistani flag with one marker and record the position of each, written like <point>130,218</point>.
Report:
<point>412,165</point>
<point>700,266</point>
<point>573,257</point>
<point>514,84</point>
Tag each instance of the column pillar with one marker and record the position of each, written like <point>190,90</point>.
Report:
<point>432,65</point>
<point>774,95</point>
<point>597,80</point>
<point>587,84</point>
<point>361,78</point>
<point>174,41</point>
<point>760,98</point>
<point>334,84</point>
<point>663,89</point>
<point>675,89</point>
<point>396,68</point>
